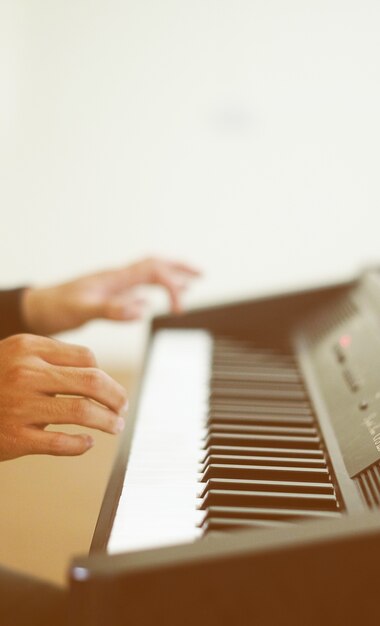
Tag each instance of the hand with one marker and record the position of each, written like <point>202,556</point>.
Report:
<point>33,370</point>
<point>107,295</point>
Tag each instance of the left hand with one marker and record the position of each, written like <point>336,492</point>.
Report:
<point>107,295</point>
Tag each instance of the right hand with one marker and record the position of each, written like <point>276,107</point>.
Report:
<point>38,376</point>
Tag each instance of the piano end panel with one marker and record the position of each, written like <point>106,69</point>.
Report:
<point>323,582</point>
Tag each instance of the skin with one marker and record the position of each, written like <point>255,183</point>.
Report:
<point>44,381</point>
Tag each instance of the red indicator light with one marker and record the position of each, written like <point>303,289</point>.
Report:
<point>345,341</point>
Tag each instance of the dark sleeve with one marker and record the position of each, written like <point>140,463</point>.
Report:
<point>11,321</point>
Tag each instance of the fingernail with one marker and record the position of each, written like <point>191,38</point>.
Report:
<point>125,407</point>
<point>120,423</point>
<point>90,442</point>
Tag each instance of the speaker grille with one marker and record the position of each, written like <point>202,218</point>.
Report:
<point>368,483</point>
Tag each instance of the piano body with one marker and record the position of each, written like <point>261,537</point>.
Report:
<point>247,485</point>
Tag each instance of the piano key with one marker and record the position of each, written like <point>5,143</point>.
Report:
<point>220,417</point>
<point>254,375</point>
<point>271,405</point>
<point>263,409</point>
<point>263,451</point>
<point>235,459</point>
<point>266,513</point>
<point>268,499</point>
<point>221,523</point>
<point>252,360</point>
<point>265,485</point>
<point>216,428</point>
<point>241,351</point>
<point>281,441</point>
<point>250,363</point>
<point>253,391</point>
<point>251,381</point>
<point>248,357</point>
<point>267,472</point>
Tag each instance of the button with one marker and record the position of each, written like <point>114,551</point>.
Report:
<point>351,380</point>
<point>363,405</point>
<point>341,357</point>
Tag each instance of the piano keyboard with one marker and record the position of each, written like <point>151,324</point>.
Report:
<point>225,439</point>
<point>264,463</point>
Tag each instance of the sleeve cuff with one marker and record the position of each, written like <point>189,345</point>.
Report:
<point>11,321</point>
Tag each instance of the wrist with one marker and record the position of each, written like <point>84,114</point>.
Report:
<point>32,310</point>
<point>50,310</point>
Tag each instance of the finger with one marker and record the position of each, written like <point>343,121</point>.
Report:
<point>60,353</point>
<point>57,444</point>
<point>174,295</point>
<point>178,280</point>
<point>80,411</point>
<point>88,382</point>
<point>173,288</point>
<point>185,268</point>
<point>52,350</point>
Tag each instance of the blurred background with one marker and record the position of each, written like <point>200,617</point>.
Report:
<point>241,135</point>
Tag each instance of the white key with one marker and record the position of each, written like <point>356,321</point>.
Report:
<point>157,505</point>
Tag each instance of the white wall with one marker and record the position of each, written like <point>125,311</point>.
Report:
<point>243,135</point>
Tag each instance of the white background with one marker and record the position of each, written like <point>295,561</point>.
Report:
<point>241,135</point>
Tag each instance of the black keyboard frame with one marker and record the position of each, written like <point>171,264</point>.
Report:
<point>312,574</point>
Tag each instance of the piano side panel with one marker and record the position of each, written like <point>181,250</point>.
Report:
<point>315,574</point>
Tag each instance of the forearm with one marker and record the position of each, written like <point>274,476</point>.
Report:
<point>11,316</point>
<point>103,295</point>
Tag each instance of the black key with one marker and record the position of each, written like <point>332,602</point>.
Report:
<point>224,355</point>
<point>229,417</point>
<point>266,513</point>
<point>255,392</point>
<point>267,430</point>
<point>260,472</point>
<point>280,441</point>
<point>254,374</point>
<point>264,451</point>
<point>272,486</point>
<point>222,523</point>
<point>235,459</point>
<point>268,499</point>
<point>248,362</point>
<point>271,406</point>
<point>244,377</point>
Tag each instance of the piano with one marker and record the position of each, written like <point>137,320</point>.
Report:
<point>247,485</point>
